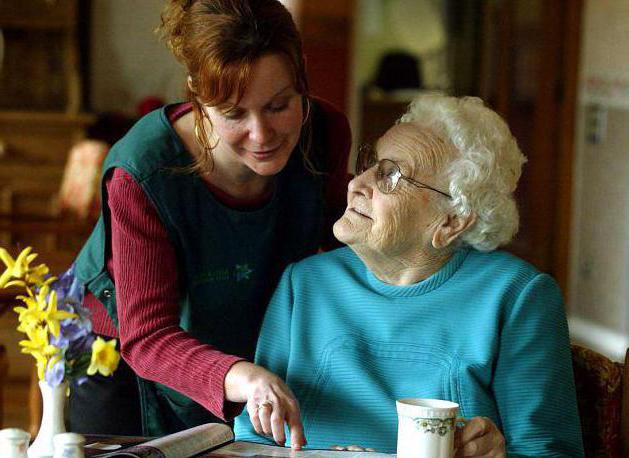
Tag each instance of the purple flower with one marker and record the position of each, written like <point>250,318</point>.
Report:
<point>79,346</point>
<point>69,289</point>
<point>69,298</point>
<point>76,328</point>
<point>72,330</point>
<point>84,318</point>
<point>61,341</point>
<point>54,375</point>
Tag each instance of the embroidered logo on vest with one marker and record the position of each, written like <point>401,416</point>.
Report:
<point>243,272</point>
<point>240,272</point>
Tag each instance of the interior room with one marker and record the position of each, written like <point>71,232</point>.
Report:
<point>76,74</point>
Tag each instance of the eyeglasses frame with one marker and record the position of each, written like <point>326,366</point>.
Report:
<point>398,174</point>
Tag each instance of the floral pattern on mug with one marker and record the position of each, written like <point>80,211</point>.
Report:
<point>439,426</point>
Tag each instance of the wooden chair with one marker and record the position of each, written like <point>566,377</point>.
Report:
<point>4,371</point>
<point>603,399</point>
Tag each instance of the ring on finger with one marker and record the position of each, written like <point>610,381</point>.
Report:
<point>265,404</point>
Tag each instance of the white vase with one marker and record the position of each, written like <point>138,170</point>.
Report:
<point>52,421</point>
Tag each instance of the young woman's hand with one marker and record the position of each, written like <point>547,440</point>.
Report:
<point>270,402</point>
<point>479,437</point>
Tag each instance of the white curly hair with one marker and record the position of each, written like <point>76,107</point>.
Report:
<point>485,168</point>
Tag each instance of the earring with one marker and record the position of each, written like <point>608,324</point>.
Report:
<point>307,110</point>
<point>201,139</point>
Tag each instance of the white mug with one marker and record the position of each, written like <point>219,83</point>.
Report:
<point>426,428</point>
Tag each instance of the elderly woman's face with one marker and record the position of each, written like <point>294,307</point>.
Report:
<point>401,223</point>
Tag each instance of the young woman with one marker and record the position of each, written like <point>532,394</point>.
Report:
<point>204,204</point>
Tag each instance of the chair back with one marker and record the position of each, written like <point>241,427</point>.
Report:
<point>599,383</point>
<point>79,195</point>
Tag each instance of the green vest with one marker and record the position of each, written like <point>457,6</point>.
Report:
<point>228,261</point>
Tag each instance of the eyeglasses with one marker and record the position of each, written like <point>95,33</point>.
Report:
<point>388,174</point>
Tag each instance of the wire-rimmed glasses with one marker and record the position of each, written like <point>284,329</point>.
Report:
<point>388,174</point>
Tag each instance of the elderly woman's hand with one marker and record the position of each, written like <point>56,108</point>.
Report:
<point>270,402</point>
<point>479,437</point>
<point>352,448</point>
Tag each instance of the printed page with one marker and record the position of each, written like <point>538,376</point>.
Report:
<point>184,444</point>
<point>251,449</point>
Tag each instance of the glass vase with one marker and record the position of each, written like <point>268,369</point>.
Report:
<point>52,421</point>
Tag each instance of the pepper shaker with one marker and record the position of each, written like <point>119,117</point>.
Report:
<point>68,445</point>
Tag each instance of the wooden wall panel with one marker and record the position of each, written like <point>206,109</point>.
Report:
<point>326,29</point>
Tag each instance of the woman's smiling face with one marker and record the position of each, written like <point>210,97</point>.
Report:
<point>258,134</point>
<point>399,224</point>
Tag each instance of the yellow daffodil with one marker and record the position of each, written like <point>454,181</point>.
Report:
<point>30,320</point>
<point>52,316</point>
<point>34,313</point>
<point>16,268</point>
<point>20,283</point>
<point>35,275</point>
<point>19,268</point>
<point>37,338</point>
<point>39,348</point>
<point>41,309</point>
<point>105,358</point>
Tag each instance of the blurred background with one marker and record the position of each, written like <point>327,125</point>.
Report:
<point>558,71</point>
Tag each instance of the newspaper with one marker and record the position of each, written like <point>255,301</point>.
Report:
<point>212,440</point>
<point>250,449</point>
<point>184,444</point>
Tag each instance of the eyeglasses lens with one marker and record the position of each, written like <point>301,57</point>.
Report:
<point>366,159</point>
<point>388,176</point>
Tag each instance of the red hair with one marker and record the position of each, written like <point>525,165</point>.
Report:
<point>218,41</point>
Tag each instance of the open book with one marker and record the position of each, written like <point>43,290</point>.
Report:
<point>212,440</point>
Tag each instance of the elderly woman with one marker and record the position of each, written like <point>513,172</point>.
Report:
<point>422,304</point>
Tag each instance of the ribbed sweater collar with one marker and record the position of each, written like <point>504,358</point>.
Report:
<point>425,286</point>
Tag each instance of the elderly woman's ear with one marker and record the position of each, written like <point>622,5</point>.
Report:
<point>451,227</point>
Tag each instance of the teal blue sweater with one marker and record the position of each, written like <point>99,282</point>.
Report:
<point>487,331</point>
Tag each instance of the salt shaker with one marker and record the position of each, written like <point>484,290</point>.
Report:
<point>14,443</point>
<point>68,445</point>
